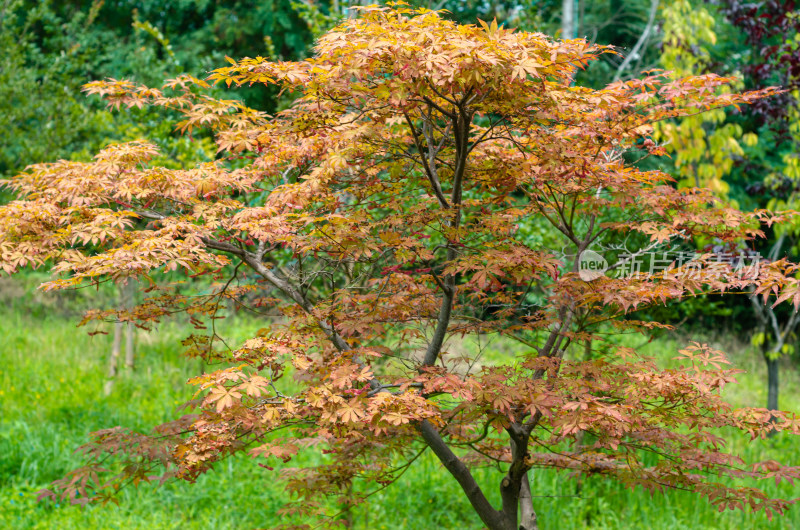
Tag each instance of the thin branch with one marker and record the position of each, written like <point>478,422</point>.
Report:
<point>642,40</point>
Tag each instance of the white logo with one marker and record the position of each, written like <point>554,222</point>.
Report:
<point>591,265</point>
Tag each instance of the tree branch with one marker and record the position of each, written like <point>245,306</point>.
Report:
<point>642,39</point>
<point>429,171</point>
<point>490,517</point>
<point>461,127</point>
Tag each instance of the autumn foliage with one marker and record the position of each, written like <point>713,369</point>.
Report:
<point>420,191</point>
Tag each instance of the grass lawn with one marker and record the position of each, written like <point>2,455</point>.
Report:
<point>51,381</point>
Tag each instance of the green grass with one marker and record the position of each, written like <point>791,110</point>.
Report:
<point>51,380</point>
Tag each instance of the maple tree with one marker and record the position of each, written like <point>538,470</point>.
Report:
<point>417,191</point>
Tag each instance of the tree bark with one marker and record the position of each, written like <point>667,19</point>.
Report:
<point>511,489</point>
<point>527,516</point>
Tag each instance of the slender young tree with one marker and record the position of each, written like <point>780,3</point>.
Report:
<point>127,292</point>
<point>415,192</point>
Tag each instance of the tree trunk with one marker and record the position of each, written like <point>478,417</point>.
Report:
<point>126,297</point>
<point>347,512</point>
<point>113,361</point>
<point>772,383</point>
<point>128,292</point>
<point>568,19</point>
<point>493,519</point>
<point>129,351</point>
<point>527,516</point>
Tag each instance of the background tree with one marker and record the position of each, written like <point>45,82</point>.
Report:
<point>745,155</point>
<point>55,47</point>
<point>127,295</point>
<point>52,48</point>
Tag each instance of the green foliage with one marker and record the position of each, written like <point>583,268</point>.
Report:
<point>41,113</point>
<point>704,146</point>
<point>52,48</point>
